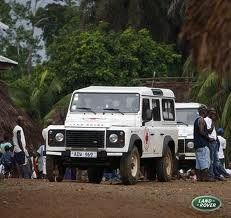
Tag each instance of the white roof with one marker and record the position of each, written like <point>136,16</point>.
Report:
<point>120,89</point>
<point>188,105</point>
<point>7,60</point>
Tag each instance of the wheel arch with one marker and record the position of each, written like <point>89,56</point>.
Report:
<point>136,140</point>
<point>169,142</point>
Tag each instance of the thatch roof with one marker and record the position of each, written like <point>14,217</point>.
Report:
<point>207,26</point>
<point>8,116</point>
<point>6,63</point>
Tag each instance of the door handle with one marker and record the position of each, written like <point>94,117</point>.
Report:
<point>161,133</point>
<point>152,134</point>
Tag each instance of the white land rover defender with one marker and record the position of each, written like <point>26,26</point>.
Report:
<point>186,114</point>
<point>116,127</point>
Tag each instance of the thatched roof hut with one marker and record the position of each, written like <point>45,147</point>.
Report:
<point>6,63</point>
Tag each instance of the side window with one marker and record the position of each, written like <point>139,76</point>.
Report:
<point>168,109</point>
<point>156,109</point>
<point>145,107</point>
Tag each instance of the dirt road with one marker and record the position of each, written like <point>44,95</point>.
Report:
<point>33,198</point>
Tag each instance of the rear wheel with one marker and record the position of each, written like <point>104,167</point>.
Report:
<point>165,166</point>
<point>95,174</point>
<point>130,167</point>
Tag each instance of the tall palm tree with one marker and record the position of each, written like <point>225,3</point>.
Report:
<point>207,25</point>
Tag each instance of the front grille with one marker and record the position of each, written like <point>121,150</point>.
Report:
<point>181,146</point>
<point>80,139</point>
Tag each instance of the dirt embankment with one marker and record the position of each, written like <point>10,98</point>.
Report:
<point>8,116</point>
<point>21,198</point>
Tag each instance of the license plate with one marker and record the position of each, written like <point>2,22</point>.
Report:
<point>84,154</point>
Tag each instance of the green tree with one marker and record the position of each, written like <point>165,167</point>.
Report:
<point>138,14</point>
<point>37,96</point>
<point>21,43</point>
<point>55,17</point>
<point>108,58</point>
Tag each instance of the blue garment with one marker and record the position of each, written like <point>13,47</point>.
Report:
<point>7,161</point>
<point>216,169</point>
<point>202,158</point>
<point>199,140</point>
<point>7,158</point>
<point>110,175</point>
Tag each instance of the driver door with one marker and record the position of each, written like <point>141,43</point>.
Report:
<point>147,125</point>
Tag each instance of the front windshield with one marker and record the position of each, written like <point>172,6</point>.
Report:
<point>186,115</point>
<point>105,102</point>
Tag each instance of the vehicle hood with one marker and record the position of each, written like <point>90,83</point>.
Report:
<point>185,131</point>
<point>99,120</point>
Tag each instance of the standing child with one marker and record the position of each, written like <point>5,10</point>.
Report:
<point>41,161</point>
<point>222,145</point>
<point>7,162</point>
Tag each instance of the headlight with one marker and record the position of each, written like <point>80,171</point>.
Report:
<point>59,137</point>
<point>190,145</point>
<point>113,138</point>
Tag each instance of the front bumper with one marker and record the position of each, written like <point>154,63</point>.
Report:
<point>67,153</point>
<point>103,159</point>
<point>187,156</point>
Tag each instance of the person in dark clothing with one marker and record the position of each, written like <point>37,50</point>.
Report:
<point>7,161</point>
<point>201,141</point>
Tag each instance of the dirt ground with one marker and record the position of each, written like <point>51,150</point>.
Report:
<point>34,198</point>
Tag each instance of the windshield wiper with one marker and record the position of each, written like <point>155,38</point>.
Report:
<point>180,122</point>
<point>113,109</point>
<point>87,109</point>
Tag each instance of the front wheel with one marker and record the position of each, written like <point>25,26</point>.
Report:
<point>50,168</point>
<point>130,167</point>
<point>95,174</point>
<point>165,166</point>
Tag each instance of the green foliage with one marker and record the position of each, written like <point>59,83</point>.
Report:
<point>214,92</point>
<point>37,96</point>
<point>109,58</point>
<point>55,17</point>
<point>59,108</point>
<point>226,116</point>
<point>20,42</point>
<point>138,14</point>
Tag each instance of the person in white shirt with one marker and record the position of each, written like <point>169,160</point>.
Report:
<point>222,145</point>
<point>20,152</point>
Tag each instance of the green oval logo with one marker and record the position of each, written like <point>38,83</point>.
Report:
<point>206,203</point>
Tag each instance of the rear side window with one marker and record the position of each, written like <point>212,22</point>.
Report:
<point>156,109</point>
<point>168,109</point>
<point>145,107</point>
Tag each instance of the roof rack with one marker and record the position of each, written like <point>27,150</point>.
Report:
<point>157,92</point>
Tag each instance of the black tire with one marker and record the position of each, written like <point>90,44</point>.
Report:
<point>151,173</point>
<point>95,174</point>
<point>165,166</point>
<point>130,167</point>
<point>61,170</point>
<point>50,168</point>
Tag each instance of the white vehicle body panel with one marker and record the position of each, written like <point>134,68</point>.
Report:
<point>152,133</point>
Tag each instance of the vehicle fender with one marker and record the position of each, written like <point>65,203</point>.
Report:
<point>167,139</point>
<point>134,137</point>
